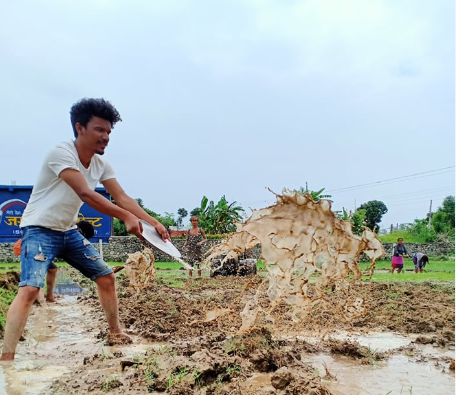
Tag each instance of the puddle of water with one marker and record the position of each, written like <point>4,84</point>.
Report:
<point>380,342</point>
<point>397,376</point>
<point>68,289</point>
<point>65,284</point>
<point>377,341</point>
<point>28,379</point>
<point>57,337</point>
<point>260,381</point>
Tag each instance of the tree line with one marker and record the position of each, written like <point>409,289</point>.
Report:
<point>221,217</point>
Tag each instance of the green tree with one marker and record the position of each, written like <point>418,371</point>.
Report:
<point>119,228</point>
<point>167,220</point>
<point>443,219</point>
<point>218,218</point>
<point>374,212</point>
<point>182,213</point>
<point>448,207</point>
<point>420,229</point>
<point>316,195</point>
<point>357,219</point>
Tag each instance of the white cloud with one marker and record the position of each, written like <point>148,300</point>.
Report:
<point>376,41</point>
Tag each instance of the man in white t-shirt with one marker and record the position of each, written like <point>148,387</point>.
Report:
<point>67,179</point>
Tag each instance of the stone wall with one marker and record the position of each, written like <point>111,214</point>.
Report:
<point>119,246</point>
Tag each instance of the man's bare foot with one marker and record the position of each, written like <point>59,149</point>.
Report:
<point>51,299</point>
<point>41,302</point>
<point>119,339</point>
<point>7,356</point>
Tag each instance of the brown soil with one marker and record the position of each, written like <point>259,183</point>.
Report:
<point>195,356</point>
<point>160,312</point>
<point>8,283</point>
<point>9,280</point>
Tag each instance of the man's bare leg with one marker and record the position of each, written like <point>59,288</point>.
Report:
<point>50,284</point>
<point>40,298</point>
<point>16,319</point>
<point>108,299</point>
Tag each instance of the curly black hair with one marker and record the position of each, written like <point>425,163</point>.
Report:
<point>83,111</point>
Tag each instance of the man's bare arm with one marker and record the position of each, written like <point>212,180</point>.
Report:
<point>79,185</point>
<point>131,205</point>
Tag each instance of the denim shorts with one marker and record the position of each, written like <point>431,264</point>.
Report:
<point>41,245</point>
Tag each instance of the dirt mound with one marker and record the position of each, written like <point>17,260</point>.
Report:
<point>214,367</point>
<point>354,350</point>
<point>8,286</point>
<point>160,312</point>
<point>10,280</point>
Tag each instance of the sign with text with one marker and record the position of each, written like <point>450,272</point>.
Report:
<point>14,198</point>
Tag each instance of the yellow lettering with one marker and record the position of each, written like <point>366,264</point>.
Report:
<point>13,221</point>
<point>93,220</point>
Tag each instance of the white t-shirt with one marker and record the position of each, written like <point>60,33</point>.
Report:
<point>53,204</point>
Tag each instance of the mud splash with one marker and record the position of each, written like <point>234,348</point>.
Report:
<point>300,238</point>
<point>140,269</point>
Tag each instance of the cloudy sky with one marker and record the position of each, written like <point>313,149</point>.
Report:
<point>232,97</point>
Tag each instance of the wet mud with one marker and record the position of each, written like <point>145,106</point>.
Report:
<point>309,326</point>
<point>403,340</point>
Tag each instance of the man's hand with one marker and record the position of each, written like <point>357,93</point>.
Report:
<point>134,226</point>
<point>163,232</point>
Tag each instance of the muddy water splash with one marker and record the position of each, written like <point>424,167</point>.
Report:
<point>300,238</point>
<point>140,269</point>
<point>184,264</point>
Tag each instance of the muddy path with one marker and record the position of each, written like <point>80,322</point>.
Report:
<point>400,341</point>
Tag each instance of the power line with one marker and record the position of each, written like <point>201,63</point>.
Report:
<point>430,191</point>
<point>395,179</point>
<point>438,193</point>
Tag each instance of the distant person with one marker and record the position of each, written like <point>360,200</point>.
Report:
<point>420,261</point>
<point>398,256</point>
<point>88,231</point>
<point>67,178</point>
<point>195,238</point>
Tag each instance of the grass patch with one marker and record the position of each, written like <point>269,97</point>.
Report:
<point>6,297</point>
<point>172,278</point>
<point>404,234</point>
<point>433,266</point>
<point>412,277</point>
<point>168,265</point>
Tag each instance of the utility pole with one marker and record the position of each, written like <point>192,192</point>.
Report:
<point>430,214</point>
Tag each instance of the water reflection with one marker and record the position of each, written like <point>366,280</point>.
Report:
<point>65,284</point>
<point>68,289</point>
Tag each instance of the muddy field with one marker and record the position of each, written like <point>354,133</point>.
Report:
<point>370,339</point>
